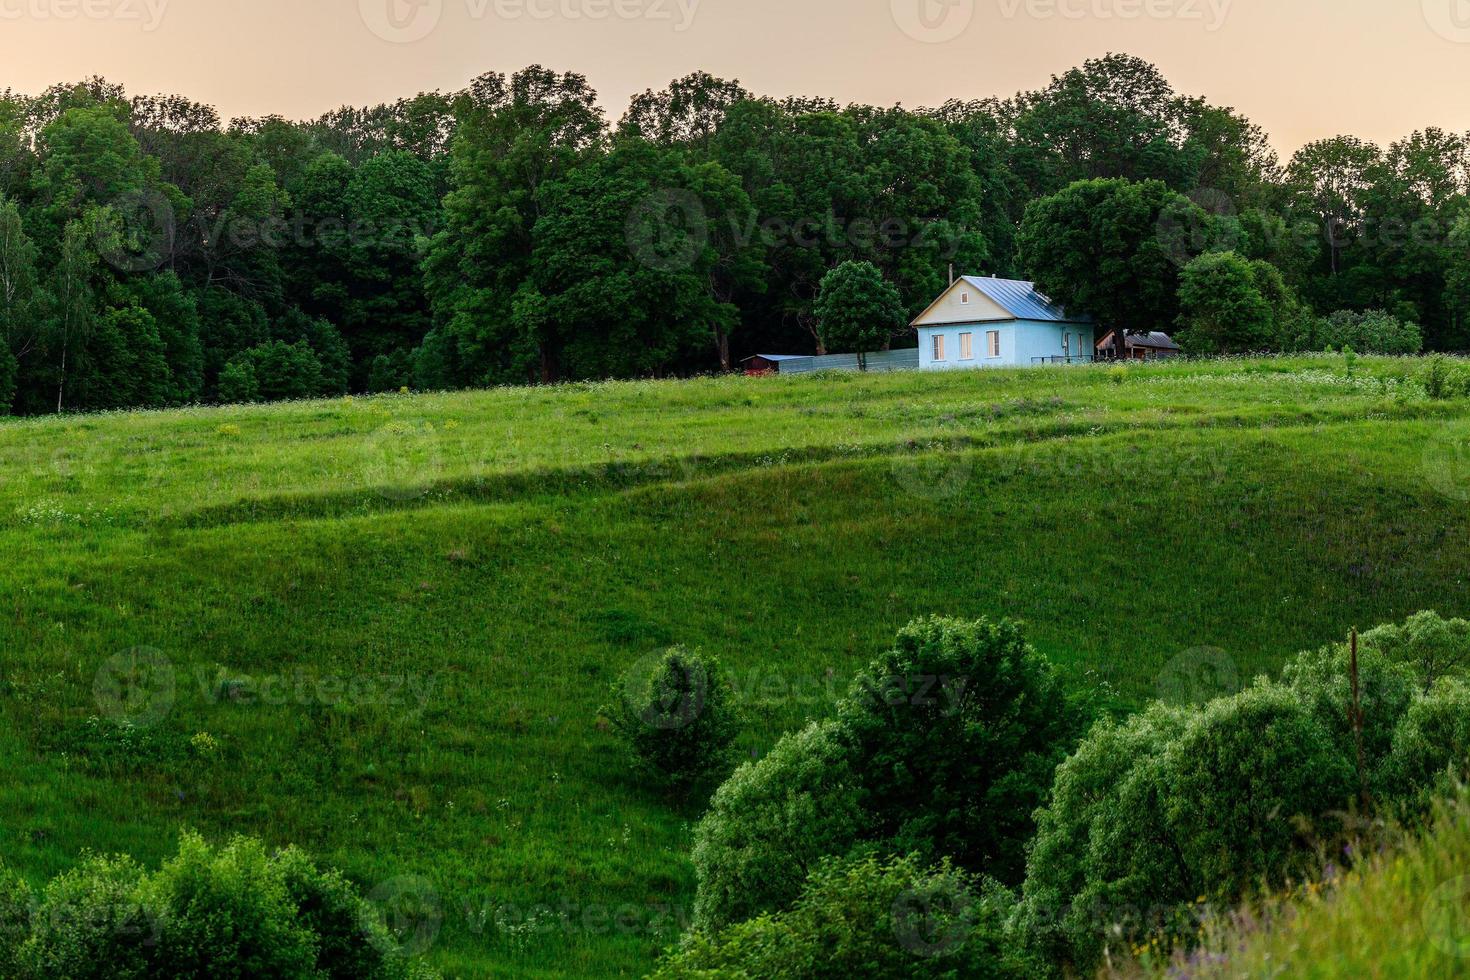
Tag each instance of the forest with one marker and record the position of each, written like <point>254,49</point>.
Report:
<point>153,255</point>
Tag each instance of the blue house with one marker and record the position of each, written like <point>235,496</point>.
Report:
<point>979,322</point>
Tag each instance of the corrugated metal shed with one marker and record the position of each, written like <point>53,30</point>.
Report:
<point>1022,300</point>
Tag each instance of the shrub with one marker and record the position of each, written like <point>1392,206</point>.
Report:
<point>1431,749</point>
<point>1149,815</point>
<point>93,922</point>
<point>226,913</point>
<point>1436,378</point>
<point>771,823</point>
<point>1246,780</point>
<point>1370,332</point>
<point>679,721</point>
<point>15,919</point>
<point>956,733</point>
<point>1322,679</point>
<point>1433,646</point>
<point>236,911</point>
<point>868,917</point>
<point>1073,866</point>
<point>237,384</point>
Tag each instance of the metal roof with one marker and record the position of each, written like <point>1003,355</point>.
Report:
<point>1022,300</point>
<point>777,357</point>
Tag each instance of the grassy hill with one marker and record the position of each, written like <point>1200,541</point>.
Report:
<point>381,628</point>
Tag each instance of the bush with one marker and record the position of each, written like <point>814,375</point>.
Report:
<point>1252,783</point>
<point>956,733</point>
<point>15,919</point>
<point>1369,332</point>
<point>867,917</point>
<point>1431,749</point>
<point>1076,877</point>
<point>771,823</point>
<point>679,721</point>
<point>1433,646</point>
<point>232,912</point>
<point>237,384</point>
<point>1386,689</point>
<point>1149,815</point>
<point>1437,378</point>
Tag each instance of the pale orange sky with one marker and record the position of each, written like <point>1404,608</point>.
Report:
<point>1303,69</point>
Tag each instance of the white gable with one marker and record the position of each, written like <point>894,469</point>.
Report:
<point>962,303</point>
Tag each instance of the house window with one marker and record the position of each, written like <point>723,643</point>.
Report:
<point>1066,345</point>
<point>964,299</point>
<point>939,347</point>
<point>992,343</point>
<point>967,347</point>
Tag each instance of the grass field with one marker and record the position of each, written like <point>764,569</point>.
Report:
<point>382,628</point>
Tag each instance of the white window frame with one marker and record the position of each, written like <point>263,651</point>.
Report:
<point>992,343</point>
<point>964,297</point>
<point>938,347</point>
<point>1066,345</point>
<point>967,346</point>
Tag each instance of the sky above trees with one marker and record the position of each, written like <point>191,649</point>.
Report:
<point>1302,70</point>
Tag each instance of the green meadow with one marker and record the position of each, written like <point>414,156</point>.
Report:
<point>381,628</point>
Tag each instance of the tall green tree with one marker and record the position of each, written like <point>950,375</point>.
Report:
<point>1106,248</point>
<point>858,310</point>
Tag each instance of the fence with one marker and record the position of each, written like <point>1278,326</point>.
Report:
<point>883,360</point>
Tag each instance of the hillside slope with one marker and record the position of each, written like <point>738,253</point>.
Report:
<point>381,628</point>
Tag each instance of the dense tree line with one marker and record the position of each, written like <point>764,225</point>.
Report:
<point>152,254</point>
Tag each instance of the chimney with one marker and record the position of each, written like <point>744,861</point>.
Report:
<point>951,273</point>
